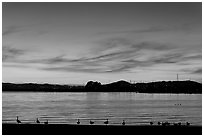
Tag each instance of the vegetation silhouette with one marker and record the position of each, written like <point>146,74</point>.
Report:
<point>188,87</point>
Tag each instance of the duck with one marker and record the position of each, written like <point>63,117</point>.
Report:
<point>78,122</point>
<point>175,124</point>
<point>46,122</point>
<point>91,122</point>
<point>106,122</point>
<point>17,120</point>
<point>37,121</point>
<point>165,123</point>
<point>123,123</point>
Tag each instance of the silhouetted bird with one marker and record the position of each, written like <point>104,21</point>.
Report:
<point>37,121</point>
<point>78,122</point>
<point>187,123</point>
<point>46,122</point>
<point>179,123</point>
<point>17,120</point>
<point>123,123</point>
<point>175,124</point>
<point>106,122</point>
<point>165,123</point>
<point>91,122</point>
<point>151,123</point>
<point>159,123</point>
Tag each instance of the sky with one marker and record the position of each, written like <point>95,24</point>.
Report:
<point>73,43</point>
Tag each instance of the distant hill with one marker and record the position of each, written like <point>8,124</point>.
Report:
<point>40,87</point>
<point>187,87</point>
<point>170,87</point>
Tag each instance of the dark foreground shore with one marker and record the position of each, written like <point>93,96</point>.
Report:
<point>65,129</point>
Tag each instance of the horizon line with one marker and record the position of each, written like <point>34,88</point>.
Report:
<point>131,82</point>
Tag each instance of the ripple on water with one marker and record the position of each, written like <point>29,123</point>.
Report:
<point>133,108</point>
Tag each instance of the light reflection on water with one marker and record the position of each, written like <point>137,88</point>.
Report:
<point>134,108</point>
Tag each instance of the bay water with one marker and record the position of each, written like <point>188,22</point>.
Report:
<point>134,108</point>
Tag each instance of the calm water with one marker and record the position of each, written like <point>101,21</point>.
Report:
<point>133,108</point>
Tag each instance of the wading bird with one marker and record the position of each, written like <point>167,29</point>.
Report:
<point>175,124</point>
<point>123,123</point>
<point>46,122</point>
<point>37,121</point>
<point>106,122</point>
<point>78,122</point>
<point>17,120</point>
<point>187,123</point>
<point>91,122</point>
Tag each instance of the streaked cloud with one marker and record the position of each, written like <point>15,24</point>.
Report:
<point>11,30</point>
<point>186,27</point>
<point>116,55</point>
<point>9,52</point>
<point>198,71</point>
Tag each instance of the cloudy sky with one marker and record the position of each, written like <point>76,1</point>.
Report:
<point>72,43</point>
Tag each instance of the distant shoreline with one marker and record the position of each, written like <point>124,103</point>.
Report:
<point>177,87</point>
<point>95,92</point>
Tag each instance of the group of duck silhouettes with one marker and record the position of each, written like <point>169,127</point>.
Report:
<point>107,122</point>
<point>168,124</point>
